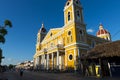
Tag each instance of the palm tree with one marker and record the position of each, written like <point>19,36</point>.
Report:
<point>3,32</point>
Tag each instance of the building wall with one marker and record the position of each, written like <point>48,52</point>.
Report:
<point>63,47</point>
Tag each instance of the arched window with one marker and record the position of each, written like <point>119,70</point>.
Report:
<point>69,33</point>
<point>78,13</point>
<point>51,34</point>
<point>68,16</point>
<point>81,35</point>
<point>69,37</point>
<point>68,3</point>
<point>77,2</point>
<point>81,32</point>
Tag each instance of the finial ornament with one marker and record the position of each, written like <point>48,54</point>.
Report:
<point>42,25</point>
<point>101,26</point>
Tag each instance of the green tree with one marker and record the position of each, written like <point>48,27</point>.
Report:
<point>0,55</point>
<point>3,32</point>
<point>11,66</point>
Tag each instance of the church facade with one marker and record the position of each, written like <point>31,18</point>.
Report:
<point>63,48</point>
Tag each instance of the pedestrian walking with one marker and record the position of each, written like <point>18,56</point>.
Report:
<point>21,72</point>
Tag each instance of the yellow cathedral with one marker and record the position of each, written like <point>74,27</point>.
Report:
<point>62,48</point>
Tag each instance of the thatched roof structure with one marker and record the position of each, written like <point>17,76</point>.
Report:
<point>109,49</point>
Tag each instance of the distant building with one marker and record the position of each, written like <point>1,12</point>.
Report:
<point>62,48</point>
<point>25,65</point>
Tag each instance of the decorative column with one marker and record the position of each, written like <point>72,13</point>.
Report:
<point>79,60</point>
<point>52,60</point>
<point>36,60</point>
<point>39,63</point>
<point>75,65</point>
<point>57,59</point>
<point>66,59</point>
<point>47,61</point>
<point>44,61</point>
<point>39,60</point>
<point>78,53</point>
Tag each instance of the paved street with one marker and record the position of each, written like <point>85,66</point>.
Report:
<point>47,76</point>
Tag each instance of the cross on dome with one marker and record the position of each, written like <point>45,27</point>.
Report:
<point>101,26</point>
<point>42,25</point>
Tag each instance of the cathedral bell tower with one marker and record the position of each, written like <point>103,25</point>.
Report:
<point>75,32</point>
<point>40,36</point>
<point>73,15</point>
<point>73,12</point>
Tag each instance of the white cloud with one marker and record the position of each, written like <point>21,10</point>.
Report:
<point>8,61</point>
<point>90,30</point>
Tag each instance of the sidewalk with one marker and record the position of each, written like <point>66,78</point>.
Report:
<point>2,76</point>
<point>72,76</point>
<point>93,77</point>
<point>49,76</point>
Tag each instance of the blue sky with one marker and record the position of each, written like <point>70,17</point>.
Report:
<point>28,15</point>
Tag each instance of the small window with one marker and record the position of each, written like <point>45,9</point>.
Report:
<point>69,33</point>
<point>70,36</point>
<point>78,13</point>
<point>68,16</point>
<point>77,2</point>
<point>70,57</point>
<point>81,32</point>
<point>68,3</point>
<point>51,34</point>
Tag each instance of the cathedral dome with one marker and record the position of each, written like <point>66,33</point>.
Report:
<point>102,33</point>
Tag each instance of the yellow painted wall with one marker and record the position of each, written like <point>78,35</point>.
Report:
<point>69,46</point>
<point>70,63</point>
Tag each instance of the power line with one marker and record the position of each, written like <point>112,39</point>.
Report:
<point>115,34</point>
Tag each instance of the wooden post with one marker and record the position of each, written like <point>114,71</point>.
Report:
<point>109,69</point>
<point>101,73</point>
